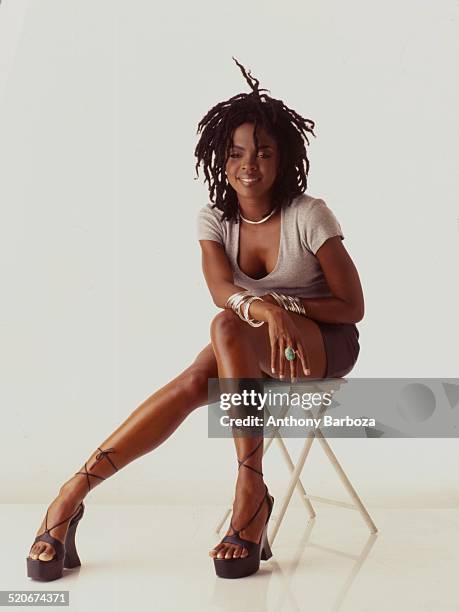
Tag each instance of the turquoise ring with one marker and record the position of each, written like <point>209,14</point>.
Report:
<point>290,353</point>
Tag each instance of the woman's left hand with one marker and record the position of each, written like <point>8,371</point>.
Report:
<point>283,332</point>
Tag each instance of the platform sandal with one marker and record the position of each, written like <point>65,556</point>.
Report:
<point>241,567</point>
<point>65,553</point>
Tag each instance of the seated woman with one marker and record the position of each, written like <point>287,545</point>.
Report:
<point>290,295</point>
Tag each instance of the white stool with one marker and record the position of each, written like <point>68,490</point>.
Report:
<point>295,470</point>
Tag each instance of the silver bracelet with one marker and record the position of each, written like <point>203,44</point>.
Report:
<point>289,302</point>
<point>235,300</point>
<point>240,303</point>
<point>245,310</point>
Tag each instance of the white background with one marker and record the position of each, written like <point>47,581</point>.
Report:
<point>103,298</point>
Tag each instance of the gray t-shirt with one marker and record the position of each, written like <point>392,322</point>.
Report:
<point>305,226</point>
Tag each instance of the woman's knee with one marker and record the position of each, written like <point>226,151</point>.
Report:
<point>226,326</point>
<point>194,384</point>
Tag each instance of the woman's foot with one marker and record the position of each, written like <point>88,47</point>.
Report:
<point>250,490</point>
<point>64,505</point>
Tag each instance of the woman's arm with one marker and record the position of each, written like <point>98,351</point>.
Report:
<point>219,278</point>
<point>347,303</point>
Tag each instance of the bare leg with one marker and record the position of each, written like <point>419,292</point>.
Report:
<point>245,352</point>
<point>145,429</point>
<point>237,358</point>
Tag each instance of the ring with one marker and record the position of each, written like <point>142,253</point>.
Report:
<point>290,353</point>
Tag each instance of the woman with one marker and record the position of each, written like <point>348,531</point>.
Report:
<point>263,240</point>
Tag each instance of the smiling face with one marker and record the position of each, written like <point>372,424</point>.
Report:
<point>252,173</point>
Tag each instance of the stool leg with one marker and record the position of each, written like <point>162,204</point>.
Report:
<point>346,482</point>
<point>299,485</point>
<point>289,462</point>
<point>222,520</point>
<point>292,484</point>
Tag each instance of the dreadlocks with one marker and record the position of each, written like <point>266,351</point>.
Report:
<point>282,123</point>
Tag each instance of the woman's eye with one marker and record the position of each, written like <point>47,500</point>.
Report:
<point>262,155</point>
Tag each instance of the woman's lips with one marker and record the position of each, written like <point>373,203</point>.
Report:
<point>247,182</point>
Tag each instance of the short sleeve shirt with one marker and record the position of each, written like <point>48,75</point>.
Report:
<point>305,225</point>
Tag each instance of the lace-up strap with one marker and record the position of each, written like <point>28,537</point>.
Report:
<point>49,539</point>
<point>74,513</point>
<point>99,457</point>
<point>87,474</point>
<point>238,531</point>
<point>105,453</point>
<point>242,461</point>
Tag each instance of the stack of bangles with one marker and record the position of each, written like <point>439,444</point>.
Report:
<point>288,302</point>
<point>240,303</point>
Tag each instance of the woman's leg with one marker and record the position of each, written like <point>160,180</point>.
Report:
<point>243,351</point>
<point>145,429</point>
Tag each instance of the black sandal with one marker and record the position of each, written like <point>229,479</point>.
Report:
<point>241,567</point>
<point>65,552</point>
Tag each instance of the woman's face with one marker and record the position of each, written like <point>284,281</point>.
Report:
<point>250,173</point>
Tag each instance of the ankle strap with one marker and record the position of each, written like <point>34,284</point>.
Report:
<point>99,457</point>
<point>238,531</point>
<point>62,522</point>
<point>105,453</point>
<point>242,461</point>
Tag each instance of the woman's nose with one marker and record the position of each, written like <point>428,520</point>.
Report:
<point>249,163</point>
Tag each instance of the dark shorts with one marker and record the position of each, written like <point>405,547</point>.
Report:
<point>342,347</point>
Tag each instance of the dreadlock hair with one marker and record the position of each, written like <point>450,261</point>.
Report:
<point>286,126</point>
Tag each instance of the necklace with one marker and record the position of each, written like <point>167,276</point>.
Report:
<point>261,220</point>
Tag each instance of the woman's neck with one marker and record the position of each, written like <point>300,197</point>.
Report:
<point>255,209</point>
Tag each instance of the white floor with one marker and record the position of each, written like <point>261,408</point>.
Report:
<point>155,558</point>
